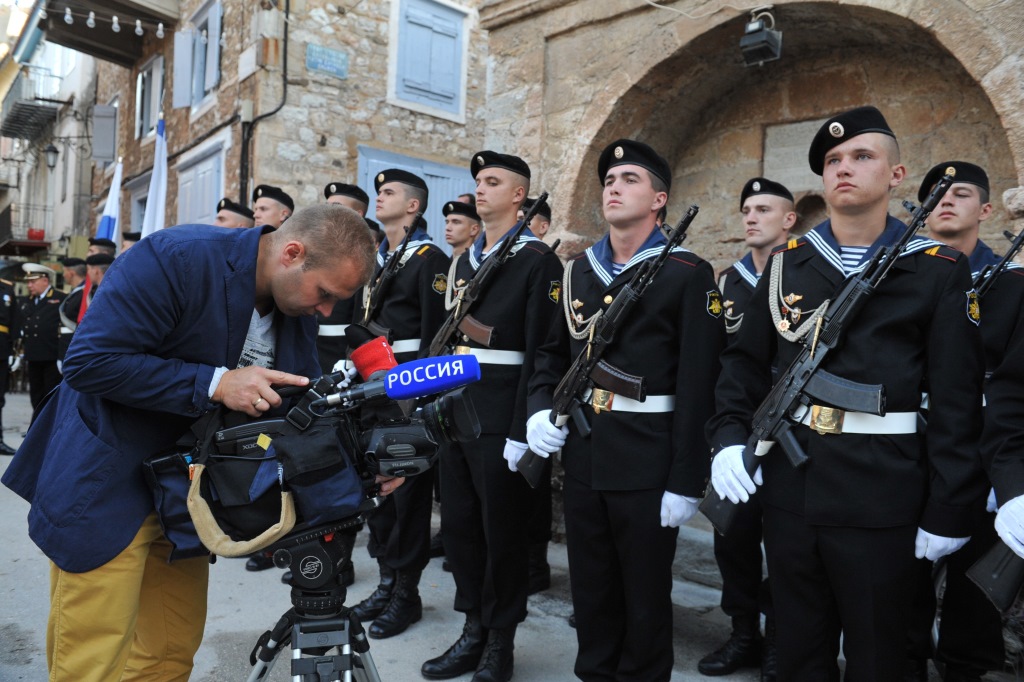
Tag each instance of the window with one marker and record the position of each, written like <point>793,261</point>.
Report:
<point>444,183</point>
<point>429,64</point>
<point>197,57</point>
<point>149,95</point>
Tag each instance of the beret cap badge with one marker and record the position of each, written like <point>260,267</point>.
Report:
<point>836,129</point>
<point>480,160</point>
<point>618,152</point>
<point>756,186</point>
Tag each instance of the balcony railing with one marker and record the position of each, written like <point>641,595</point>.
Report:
<point>31,222</point>
<point>26,109</point>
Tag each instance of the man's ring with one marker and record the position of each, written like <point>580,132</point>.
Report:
<point>257,401</point>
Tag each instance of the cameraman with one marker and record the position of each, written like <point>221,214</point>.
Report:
<point>180,309</point>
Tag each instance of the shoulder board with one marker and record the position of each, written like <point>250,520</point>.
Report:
<point>7,282</point>
<point>427,249</point>
<point>789,245</point>
<point>943,251</point>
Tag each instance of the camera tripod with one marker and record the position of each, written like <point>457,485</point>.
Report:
<point>318,622</point>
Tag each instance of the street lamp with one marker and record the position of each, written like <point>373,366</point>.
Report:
<point>51,156</point>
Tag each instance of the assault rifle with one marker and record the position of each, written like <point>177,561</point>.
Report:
<point>987,277</point>
<point>390,269</point>
<point>460,319</point>
<point>589,368</point>
<point>804,382</point>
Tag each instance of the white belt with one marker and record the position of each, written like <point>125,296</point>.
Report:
<point>602,400</point>
<point>332,329</point>
<point>493,357</point>
<point>406,346</point>
<point>860,422</point>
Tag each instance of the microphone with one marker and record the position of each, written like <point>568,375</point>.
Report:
<point>413,379</point>
<point>373,356</point>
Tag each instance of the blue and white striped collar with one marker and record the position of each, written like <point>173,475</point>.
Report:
<point>981,258</point>
<point>476,252</point>
<point>824,242</point>
<point>419,238</point>
<point>600,254</point>
<point>746,269</point>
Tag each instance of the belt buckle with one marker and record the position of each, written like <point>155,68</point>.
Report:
<point>827,420</point>
<point>463,350</point>
<point>601,400</point>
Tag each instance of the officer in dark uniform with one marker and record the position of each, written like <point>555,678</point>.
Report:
<point>485,503</point>
<point>233,214</point>
<point>40,322</point>
<point>271,205</point>
<point>129,239</point>
<point>638,477</point>
<point>407,310</point>
<point>8,332</point>
<point>768,216</point>
<point>71,306</point>
<point>971,630</point>
<point>842,532</point>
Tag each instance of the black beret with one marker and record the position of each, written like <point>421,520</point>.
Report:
<point>100,241</point>
<point>226,204</point>
<point>459,208</point>
<point>965,172</point>
<point>404,177</point>
<point>544,209</point>
<point>346,190</point>
<point>131,236</point>
<point>489,159</point>
<point>71,262</point>
<point>99,259</point>
<point>843,127</point>
<point>372,224</point>
<point>757,186</point>
<point>275,193</point>
<point>633,153</point>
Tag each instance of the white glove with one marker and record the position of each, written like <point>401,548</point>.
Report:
<point>60,367</point>
<point>730,479</point>
<point>676,509</point>
<point>1010,524</point>
<point>992,505</point>
<point>350,372</point>
<point>543,436</point>
<point>514,451</point>
<point>934,547</point>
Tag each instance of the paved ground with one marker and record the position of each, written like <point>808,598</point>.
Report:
<point>243,605</point>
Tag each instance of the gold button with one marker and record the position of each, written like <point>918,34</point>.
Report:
<point>608,299</point>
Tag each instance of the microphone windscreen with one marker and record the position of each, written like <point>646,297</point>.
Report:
<point>373,356</point>
<point>427,376</point>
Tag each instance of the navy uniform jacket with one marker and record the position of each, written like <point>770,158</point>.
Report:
<point>40,323</point>
<point>737,284</point>
<point>672,338</point>
<point>170,311</point>
<point>9,318</point>
<point>518,302</point>
<point>413,300</point>
<point>333,346</point>
<point>917,327</point>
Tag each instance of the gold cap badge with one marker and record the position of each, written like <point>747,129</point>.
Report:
<point>380,177</point>
<point>836,129</point>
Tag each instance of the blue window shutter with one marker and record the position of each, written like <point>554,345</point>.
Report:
<point>213,47</point>
<point>182,96</point>
<point>430,54</point>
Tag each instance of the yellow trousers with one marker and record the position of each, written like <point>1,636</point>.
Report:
<point>137,617</point>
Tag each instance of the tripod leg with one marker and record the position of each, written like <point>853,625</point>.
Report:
<point>363,666</point>
<point>269,645</point>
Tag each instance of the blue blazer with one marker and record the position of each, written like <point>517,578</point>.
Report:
<point>137,375</point>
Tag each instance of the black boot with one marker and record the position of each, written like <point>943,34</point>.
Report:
<point>370,608</point>
<point>540,570</point>
<point>742,650</point>
<point>260,561</point>
<point>768,656</point>
<point>403,609</point>
<point>496,663</point>
<point>461,657</point>
<point>5,449</point>
<point>436,545</point>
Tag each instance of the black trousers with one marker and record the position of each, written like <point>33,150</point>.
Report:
<point>400,528</point>
<point>538,529</point>
<point>827,579</point>
<point>745,591</point>
<point>620,567</point>
<point>484,519</point>
<point>971,631</point>
<point>43,377</point>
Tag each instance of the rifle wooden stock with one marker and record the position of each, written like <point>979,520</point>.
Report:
<point>772,422</point>
<point>999,574</point>
<point>477,331</point>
